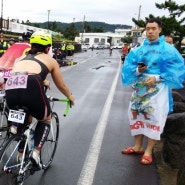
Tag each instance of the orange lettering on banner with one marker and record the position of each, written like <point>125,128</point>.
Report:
<point>140,124</point>
<point>153,127</point>
<point>137,125</point>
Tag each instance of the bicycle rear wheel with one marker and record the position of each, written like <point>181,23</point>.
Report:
<point>50,145</point>
<point>9,165</point>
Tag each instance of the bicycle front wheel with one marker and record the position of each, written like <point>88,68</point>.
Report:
<point>50,145</point>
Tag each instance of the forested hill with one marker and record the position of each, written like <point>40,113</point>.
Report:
<point>79,25</point>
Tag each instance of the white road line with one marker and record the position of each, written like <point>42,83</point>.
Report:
<point>89,168</point>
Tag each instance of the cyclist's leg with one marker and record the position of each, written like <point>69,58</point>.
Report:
<point>41,132</point>
<point>40,135</point>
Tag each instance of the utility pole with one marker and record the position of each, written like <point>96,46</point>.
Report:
<point>48,19</point>
<point>1,15</point>
<point>83,30</point>
<point>137,28</point>
<point>139,13</point>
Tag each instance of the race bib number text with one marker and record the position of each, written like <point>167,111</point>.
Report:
<point>16,116</point>
<point>17,81</point>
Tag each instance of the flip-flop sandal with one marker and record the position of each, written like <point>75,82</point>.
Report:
<point>146,160</point>
<point>130,150</point>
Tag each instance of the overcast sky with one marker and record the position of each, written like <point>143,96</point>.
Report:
<point>108,11</point>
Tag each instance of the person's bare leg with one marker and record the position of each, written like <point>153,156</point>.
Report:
<point>148,152</point>
<point>138,146</point>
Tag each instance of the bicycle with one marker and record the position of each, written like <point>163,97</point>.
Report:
<point>14,170</point>
<point>4,123</point>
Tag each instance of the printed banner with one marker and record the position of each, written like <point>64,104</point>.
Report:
<point>148,109</point>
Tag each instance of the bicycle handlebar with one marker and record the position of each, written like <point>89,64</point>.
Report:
<point>68,103</point>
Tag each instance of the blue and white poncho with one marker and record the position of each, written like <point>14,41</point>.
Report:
<point>149,106</point>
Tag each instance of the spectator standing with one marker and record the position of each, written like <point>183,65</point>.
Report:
<point>11,41</point>
<point>63,48</point>
<point>70,49</point>
<point>153,69</point>
<point>125,49</point>
<point>3,45</point>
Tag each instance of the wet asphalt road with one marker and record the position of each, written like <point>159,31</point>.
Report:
<point>96,129</point>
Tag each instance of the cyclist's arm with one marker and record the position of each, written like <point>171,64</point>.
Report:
<point>59,82</point>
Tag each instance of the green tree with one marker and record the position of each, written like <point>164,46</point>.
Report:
<point>36,25</point>
<point>53,26</point>
<point>71,32</point>
<point>127,39</point>
<point>173,24</point>
<point>87,27</point>
<point>28,22</point>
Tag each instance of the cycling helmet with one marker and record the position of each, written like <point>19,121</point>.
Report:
<point>41,38</point>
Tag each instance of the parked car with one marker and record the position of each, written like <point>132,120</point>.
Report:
<point>85,47</point>
<point>101,46</point>
<point>118,46</point>
<point>97,46</point>
<point>106,46</point>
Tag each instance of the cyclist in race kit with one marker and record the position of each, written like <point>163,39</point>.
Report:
<point>34,68</point>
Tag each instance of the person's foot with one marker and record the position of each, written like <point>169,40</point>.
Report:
<point>146,160</point>
<point>132,150</point>
<point>35,159</point>
<point>13,129</point>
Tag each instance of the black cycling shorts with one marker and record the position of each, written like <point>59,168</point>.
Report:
<point>33,97</point>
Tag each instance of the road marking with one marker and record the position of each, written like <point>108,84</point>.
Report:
<point>89,168</point>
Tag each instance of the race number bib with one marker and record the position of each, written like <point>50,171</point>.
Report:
<point>17,82</point>
<point>16,116</point>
